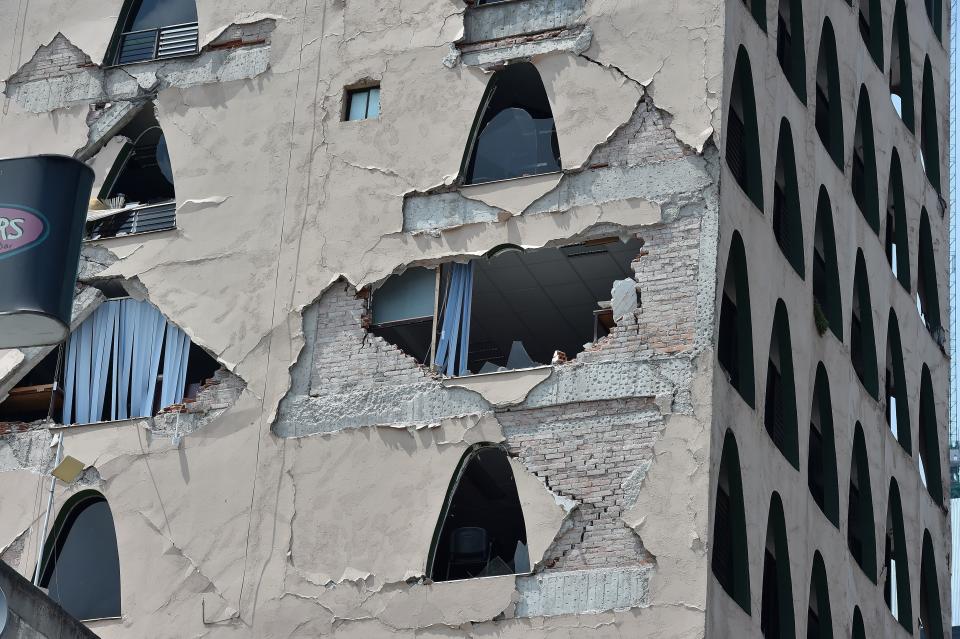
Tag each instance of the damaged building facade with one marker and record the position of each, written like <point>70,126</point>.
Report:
<point>529,318</point>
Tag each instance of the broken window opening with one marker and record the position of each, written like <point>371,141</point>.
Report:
<point>863,180</point>
<point>787,222</point>
<point>780,408</point>
<point>363,104</point>
<point>897,410</point>
<point>860,526</point>
<point>826,278</point>
<point>735,339</point>
<point>901,68</point>
<point>730,563</point>
<point>871,29</point>
<point>153,30</point>
<point>928,293</point>
<point>863,349</point>
<point>790,51</point>
<point>514,133</point>
<point>929,137</point>
<point>931,617</point>
<point>138,193</point>
<point>39,394</point>
<point>895,241</point>
<point>929,439</point>
<point>125,361</point>
<point>403,311</point>
<point>80,566</point>
<point>743,141</point>
<point>822,456</point>
<point>481,531</point>
<point>935,15</point>
<point>829,117</point>
<point>819,618</point>
<point>896,584</point>
<point>776,608</point>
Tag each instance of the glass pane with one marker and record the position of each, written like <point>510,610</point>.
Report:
<point>358,105</point>
<point>152,14</point>
<point>373,107</point>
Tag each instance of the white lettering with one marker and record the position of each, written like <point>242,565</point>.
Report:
<point>4,223</point>
<point>16,226</point>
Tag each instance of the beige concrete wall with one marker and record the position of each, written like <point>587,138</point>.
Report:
<point>771,278</point>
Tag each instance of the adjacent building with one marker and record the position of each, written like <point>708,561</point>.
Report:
<point>516,318</point>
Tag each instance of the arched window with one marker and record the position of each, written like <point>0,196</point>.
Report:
<point>780,408</point>
<point>863,344</point>
<point>787,217</point>
<point>929,138</point>
<point>138,191</point>
<point>895,241</point>
<point>931,617</point>
<point>928,293</point>
<point>895,385</point>
<point>861,533</point>
<point>858,631</point>
<point>80,567</point>
<point>790,52</point>
<point>871,29</point>
<point>901,68</point>
<point>829,115</point>
<point>929,439</point>
<point>819,619</point>
<point>154,29</point>
<point>481,531</point>
<point>758,9</point>
<point>935,14</point>
<point>822,456</point>
<point>730,563</point>
<point>896,583</point>
<point>514,133</point>
<point>863,181</point>
<point>827,312</point>
<point>776,611</point>
<point>735,340</point>
<point>743,141</point>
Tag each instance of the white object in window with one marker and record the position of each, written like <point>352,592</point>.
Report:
<point>364,104</point>
<point>893,259</point>
<point>892,401</point>
<point>897,104</point>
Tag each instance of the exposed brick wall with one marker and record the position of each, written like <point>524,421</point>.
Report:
<point>646,138</point>
<point>57,59</point>
<point>588,452</point>
<point>665,323</point>
<point>240,35</point>
<point>346,355</point>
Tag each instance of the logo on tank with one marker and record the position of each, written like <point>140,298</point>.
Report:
<point>20,229</point>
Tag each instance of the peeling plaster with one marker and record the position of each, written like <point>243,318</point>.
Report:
<point>504,388</point>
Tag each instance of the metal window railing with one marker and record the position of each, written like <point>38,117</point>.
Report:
<point>142,219</point>
<point>156,44</point>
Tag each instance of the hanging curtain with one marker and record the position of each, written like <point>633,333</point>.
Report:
<point>175,356</point>
<point>123,340</point>
<point>455,330</point>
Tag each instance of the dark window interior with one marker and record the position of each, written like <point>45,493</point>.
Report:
<point>776,616</point>
<point>871,29</point>
<point>931,617</point>
<point>819,617</point>
<point>935,14</point>
<point>780,411</point>
<point>860,526</point>
<point>896,583</point>
<point>758,10</point>
<point>858,631</point>
<point>790,51</point>
<point>514,133</point>
<point>735,340</point>
<point>81,567</point>
<point>822,460</point>
<point>826,278</point>
<point>729,563</point>
<point>895,242</point>
<point>863,349</point>
<point>153,14</point>
<point>482,532</point>
<point>928,293</point>
<point>402,311</point>
<point>828,118</point>
<point>544,299</point>
<point>864,173</point>
<point>897,409</point>
<point>929,444</point>
<point>901,68</point>
<point>142,173</point>
<point>30,399</point>
<point>929,138</point>
<point>743,143</point>
<point>787,223</point>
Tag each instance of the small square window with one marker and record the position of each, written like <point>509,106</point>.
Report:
<point>363,104</point>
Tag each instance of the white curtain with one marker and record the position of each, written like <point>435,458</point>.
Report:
<point>123,340</point>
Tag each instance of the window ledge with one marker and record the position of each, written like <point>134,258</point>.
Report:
<point>502,388</point>
<point>115,422</point>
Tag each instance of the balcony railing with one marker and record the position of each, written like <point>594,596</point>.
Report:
<point>157,44</point>
<point>140,219</point>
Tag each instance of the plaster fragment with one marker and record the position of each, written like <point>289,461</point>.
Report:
<point>504,388</point>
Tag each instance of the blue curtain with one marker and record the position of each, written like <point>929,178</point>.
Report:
<point>455,330</point>
<point>123,340</point>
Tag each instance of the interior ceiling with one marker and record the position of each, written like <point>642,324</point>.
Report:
<point>544,298</point>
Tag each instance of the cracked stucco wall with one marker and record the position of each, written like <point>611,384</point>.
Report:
<point>294,512</point>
